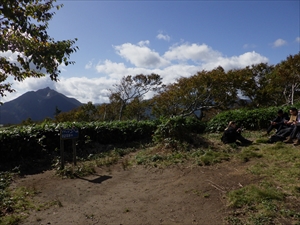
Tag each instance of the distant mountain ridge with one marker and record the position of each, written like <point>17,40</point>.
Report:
<point>36,105</point>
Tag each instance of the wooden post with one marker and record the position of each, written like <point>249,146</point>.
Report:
<point>62,154</point>
<point>74,151</point>
<point>68,134</point>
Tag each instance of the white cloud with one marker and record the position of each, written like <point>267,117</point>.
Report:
<point>195,52</point>
<point>26,85</point>
<point>297,39</point>
<point>208,58</point>
<point>112,69</point>
<point>279,42</point>
<point>62,67</point>
<point>171,73</point>
<point>89,65</point>
<point>240,61</point>
<point>10,56</point>
<point>140,55</point>
<point>82,88</point>
<point>181,60</point>
<point>144,43</point>
<point>117,70</point>
<point>13,56</point>
<point>247,46</point>
<point>163,37</point>
<point>85,89</point>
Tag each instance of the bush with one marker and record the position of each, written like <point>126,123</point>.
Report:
<point>34,143</point>
<point>178,128</point>
<point>39,144</point>
<point>254,119</point>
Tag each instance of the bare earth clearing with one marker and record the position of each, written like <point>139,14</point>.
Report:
<point>139,195</point>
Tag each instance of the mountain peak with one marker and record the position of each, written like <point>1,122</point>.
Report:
<point>36,105</point>
<point>46,92</point>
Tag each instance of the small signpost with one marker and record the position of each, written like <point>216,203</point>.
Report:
<point>68,134</point>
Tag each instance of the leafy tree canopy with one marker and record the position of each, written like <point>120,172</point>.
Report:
<point>23,36</point>
<point>287,77</point>
<point>133,88</point>
<point>202,91</point>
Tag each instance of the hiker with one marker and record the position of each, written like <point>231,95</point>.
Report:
<point>290,124</point>
<point>287,130</point>
<point>278,122</point>
<point>295,131</point>
<point>232,133</point>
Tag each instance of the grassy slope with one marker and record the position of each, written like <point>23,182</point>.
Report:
<point>273,199</point>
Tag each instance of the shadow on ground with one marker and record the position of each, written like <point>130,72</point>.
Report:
<point>97,180</point>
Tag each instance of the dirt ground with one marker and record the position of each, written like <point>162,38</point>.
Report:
<point>139,195</point>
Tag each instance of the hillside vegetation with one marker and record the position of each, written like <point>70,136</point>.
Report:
<point>271,199</point>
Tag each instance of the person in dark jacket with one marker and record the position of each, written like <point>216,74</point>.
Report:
<point>232,133</point>
<point>289,125</point>
<point>295,131</point>
<point>278,122</point>
<point>289,130</point>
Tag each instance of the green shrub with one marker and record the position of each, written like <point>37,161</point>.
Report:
<point>254,119</point>
<point>178,129</point>
<point>34,143</point>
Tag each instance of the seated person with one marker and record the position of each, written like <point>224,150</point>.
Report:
<point>295,131</point>
<point>232,134</point>
<point>290,124</point>
<point>278,122</point>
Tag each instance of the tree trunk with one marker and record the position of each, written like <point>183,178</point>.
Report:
<point>292,94</point>
<point>104,116</point>
<point>121,110</point>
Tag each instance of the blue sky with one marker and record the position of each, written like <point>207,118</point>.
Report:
<point>170,38</point>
